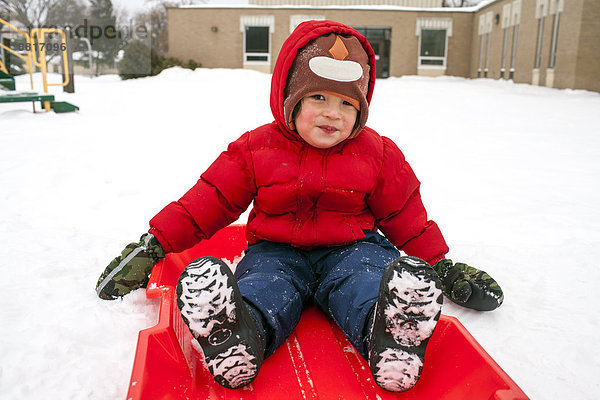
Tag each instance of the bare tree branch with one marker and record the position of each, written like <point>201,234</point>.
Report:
<point>34,13</point>
<point>461,3</point>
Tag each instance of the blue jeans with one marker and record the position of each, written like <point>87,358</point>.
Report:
<point>276,280</point>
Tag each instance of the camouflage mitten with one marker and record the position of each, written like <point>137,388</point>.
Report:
<point>469,286</point>
<point>131,270</point>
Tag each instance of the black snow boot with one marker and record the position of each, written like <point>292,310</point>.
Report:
<point>406,313</point>
<point>212,307</point>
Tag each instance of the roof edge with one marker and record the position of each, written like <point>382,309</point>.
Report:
<point>332,7</point>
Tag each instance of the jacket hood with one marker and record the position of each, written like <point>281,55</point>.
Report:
<point>302,35</point>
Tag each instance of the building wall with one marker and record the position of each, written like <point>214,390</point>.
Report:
<point>192,35</point>
<point>401,3</point>
<point>568,45</point>
<point>460,44</point>
<point>212,36</point>
<point>577,50</point>
<point>587,71</point>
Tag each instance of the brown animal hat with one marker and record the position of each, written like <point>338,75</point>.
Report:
<point>330,64</point>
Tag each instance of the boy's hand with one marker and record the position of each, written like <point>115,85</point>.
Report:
<point>131,270</point>
<point>468,286</point>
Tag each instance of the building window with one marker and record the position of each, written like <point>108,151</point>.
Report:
<point>516,19</point>
<point>485,32</point>
<point>558,7</point>
<point>256,44</point>
<point>433,42</point>
<point>506,14</point>
<point>433,48</point>
<point>513,61</point>
<point>487,55</point>
<point>538,53</point>
<point>380,40</point>
<point>504,47</point>
<point>256,31</point>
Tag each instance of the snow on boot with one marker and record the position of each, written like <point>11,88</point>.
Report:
<point>406,313</point>
<point>468,286</point>
<point>212,307</point>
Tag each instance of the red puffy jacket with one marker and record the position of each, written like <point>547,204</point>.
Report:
<point>305,196</point>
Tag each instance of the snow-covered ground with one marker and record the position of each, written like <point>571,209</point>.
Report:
<point>510,173</point>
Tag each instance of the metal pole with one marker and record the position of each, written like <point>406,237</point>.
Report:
<point>487,55</point>
<point>87,41</point>
<point>70,87</point>
<point>2,50</point>
<point>6,54</point>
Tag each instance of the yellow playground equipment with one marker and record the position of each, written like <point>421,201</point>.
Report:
<point>33,53</point>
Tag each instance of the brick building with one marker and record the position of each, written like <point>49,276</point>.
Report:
<point>554,43</point>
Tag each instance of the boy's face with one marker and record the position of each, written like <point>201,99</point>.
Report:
<point>325,120</point>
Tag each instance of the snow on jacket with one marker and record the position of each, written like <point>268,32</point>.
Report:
<point>302,195</point>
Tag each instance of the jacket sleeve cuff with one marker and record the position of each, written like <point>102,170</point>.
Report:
<point>433,261</point>
<point>161,239</point>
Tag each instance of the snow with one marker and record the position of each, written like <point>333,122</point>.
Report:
<point>510,173</point>
<point>205,294</point>
<point>410,313</point>
<point>397,370</point>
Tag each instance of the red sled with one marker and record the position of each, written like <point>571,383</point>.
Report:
<point>316,361</point>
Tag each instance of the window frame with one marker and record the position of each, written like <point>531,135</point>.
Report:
<point>247,54</point>
<point>540,37</point>
<point>421,58</point>
<point>515,22</point>
<point>555,29</point>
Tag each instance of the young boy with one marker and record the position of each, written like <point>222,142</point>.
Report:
<point>322,185</point>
